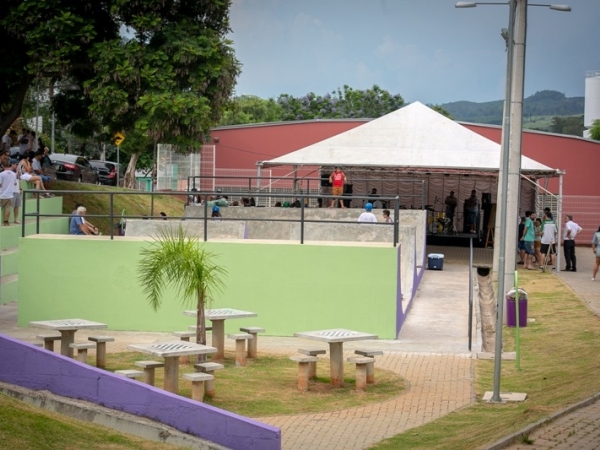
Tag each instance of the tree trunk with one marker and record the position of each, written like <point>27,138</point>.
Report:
<point>201,325</point>
<point>487,307</point>
<point>129,178</point>
<point>18,98</point>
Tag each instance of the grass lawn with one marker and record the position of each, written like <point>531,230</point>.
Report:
<point>267,386</point>
<point>560,363</point>
<point>133,205</point>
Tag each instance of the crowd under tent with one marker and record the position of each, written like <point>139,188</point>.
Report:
<point>416,143</point>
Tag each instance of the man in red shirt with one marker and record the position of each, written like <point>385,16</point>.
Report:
<point>337,180</point>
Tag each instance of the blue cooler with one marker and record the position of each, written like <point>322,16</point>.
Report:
<point>435,261</point>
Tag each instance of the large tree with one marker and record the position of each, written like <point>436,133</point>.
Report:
<point>161,67</point>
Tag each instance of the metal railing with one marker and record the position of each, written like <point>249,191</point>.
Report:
<point>115,218</point>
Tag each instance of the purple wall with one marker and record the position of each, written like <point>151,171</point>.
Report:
<point>400,298</point>
<point>32,367</point>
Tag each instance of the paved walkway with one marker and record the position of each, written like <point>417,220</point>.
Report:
<point>431,353</point>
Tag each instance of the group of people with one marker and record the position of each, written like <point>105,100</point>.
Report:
<point>368,217</point>
<point>538,238</point>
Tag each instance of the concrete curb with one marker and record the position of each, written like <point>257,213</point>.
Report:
<point>515,437</point>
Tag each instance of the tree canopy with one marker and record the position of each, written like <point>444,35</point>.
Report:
<point>163,68</point>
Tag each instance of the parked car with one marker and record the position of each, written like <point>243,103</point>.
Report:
<point>107,171</point>
<point>74,168</point>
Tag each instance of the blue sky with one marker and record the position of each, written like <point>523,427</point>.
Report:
<point>424,50</point>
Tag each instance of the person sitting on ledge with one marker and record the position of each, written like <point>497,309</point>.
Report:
<point>79,225</point>
<point>367,216</point>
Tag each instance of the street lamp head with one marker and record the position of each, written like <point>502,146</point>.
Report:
<point>465,5</point>
<point>563,8</point>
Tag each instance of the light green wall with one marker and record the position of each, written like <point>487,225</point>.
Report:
<point>292,287</point>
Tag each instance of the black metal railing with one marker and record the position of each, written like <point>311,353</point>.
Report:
<point>118,217</point>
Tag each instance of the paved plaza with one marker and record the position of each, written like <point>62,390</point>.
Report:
<point>431,353</point>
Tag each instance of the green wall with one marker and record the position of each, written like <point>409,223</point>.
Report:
<point>292,287</point>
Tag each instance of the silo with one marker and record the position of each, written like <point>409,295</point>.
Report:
<point>592,97</point>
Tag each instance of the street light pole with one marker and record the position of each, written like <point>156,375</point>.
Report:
<point>507,200</point>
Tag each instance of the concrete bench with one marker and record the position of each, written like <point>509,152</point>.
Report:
<point>82,349</point>
<point>48,340</point>
<point>252,343</point>
<point>303,370</point>
<point>209,368</point>
<point>198,380</point>
<point>312,367</point>
<point>361,371</point>
<point>101,349</point>
<point>149,370</point>
<point>240,347</point>
<point>371,366</point>
<point>130,373</point>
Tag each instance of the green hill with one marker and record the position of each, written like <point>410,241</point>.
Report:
<point>539,111</point>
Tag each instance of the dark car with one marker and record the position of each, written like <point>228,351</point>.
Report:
<point>74,168</point>
<point>107,171</point>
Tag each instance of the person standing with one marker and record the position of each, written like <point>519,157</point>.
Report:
<point>337,180</point>
<point>472,211</point>
<point>549,234</point>
<point>528,238</point>
<point>367,216</point>
<point>8,179</point>
<point>596,250</point>
<point>450,203</point>
<point>571,230</point>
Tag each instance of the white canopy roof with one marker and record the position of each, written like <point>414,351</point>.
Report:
<point>414,137</point>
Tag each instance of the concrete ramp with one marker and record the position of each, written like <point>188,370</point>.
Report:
<point>438,320</point>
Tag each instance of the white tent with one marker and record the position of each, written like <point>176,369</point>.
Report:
<point>414,137</point>
<point>418,154</point>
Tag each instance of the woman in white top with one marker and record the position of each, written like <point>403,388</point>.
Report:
<point>25,172</point>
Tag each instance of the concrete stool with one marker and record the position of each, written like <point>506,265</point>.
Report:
<point>82,349</point>
<point>303,370</point>
<point>209,368</point>
<point>240,347</point>
<point>193,328</point>
<point>185,335</point>
<point>48,340</point>
<point>312,367</point>
<point>101,349</point>
<point>149,369</point>
<point>130,373</point>
<point>361,371</point>
<point>198,380</point>
<point>252,343</point>
<point>371,366</point>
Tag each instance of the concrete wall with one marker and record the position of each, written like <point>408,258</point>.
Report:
<point>292,287</point>
<point>36,368</point>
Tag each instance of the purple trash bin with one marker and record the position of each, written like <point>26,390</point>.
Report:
<point>511,310</point>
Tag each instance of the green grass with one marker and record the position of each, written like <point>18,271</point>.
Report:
<point>134,205</point>
<point>24,427</point>
<point>559,367</point>
<point>267,386</point>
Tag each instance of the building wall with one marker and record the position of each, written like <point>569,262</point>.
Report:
<point>241,147</point>
<point>292,287</point>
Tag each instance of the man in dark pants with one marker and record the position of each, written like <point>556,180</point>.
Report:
<point>571,230</point>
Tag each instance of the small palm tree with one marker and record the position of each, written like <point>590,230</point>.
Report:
<point>177,259</point>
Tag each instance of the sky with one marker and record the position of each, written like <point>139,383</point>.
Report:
<point>424,50</point>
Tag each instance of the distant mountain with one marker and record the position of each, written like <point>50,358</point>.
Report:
<point>542,103</point>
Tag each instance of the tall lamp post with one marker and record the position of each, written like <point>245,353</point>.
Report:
<point>510,163</point>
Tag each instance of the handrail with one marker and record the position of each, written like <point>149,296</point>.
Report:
<point>302,198</point>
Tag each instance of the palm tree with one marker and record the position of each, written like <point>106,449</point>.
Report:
<point>177,259</point>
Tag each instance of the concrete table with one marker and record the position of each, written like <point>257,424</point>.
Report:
<point>67,328</point>
<point>218,317</point>
<point>336,338</point>
<point>171,351</point>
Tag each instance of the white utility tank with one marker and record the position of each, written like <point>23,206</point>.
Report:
<point>592,97</point>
